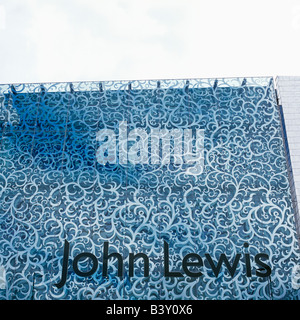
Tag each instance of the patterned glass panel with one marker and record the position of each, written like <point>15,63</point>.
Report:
<point>114,184</point>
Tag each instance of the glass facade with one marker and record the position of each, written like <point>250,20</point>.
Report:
<point>169,189</point>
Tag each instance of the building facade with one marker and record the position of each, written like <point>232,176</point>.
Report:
<point>288,93</point>
<point>169,189</point>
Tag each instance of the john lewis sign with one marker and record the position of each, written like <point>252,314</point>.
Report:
<point>191,260</point>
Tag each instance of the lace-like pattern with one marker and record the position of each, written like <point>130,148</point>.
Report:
<point>53,188</point>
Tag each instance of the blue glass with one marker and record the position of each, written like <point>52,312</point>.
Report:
<point>54,188</point>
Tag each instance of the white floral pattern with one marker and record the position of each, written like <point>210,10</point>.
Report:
<point>52,189</point>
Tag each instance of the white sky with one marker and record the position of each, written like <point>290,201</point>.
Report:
<point>74,40</point>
